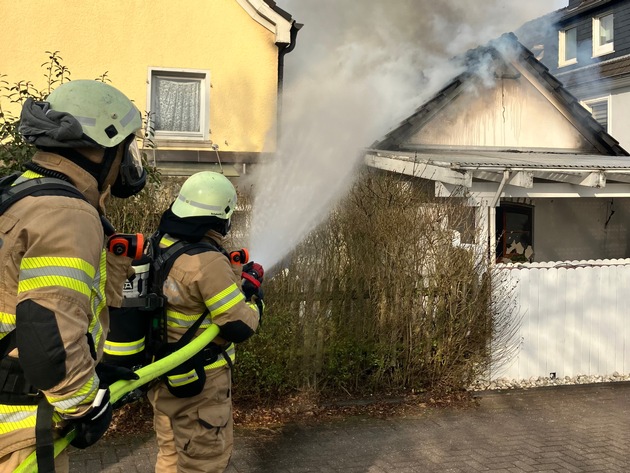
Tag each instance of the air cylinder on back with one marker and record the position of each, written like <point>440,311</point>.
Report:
<point>126,340</point>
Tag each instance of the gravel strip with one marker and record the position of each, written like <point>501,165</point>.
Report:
<point>505,383</point>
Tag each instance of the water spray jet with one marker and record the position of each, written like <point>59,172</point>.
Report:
<point>351,77</point>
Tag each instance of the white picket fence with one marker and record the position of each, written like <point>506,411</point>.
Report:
<point>575,318</point>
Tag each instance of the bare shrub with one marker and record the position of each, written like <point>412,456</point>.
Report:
<point>381,297</point>
<point>141,213</point>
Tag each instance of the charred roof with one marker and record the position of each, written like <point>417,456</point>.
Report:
<point>537,96</point>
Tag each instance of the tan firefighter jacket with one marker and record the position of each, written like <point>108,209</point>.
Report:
<point>55,285</point>
<point>209,281</point>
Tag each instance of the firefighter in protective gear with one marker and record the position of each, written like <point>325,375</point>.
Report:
<point>57,278</point>
<point>194,425</point>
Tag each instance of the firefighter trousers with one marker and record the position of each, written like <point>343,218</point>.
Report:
<point>194,434</point>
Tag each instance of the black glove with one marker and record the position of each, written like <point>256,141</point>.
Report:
<point>109,374</point>
<point>93,425</point>
<point>252,275</point>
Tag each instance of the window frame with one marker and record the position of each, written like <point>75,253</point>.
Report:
<point>602,49</point>
<point>587,104</point>
<point>562,47</point>
<point>203,76</point>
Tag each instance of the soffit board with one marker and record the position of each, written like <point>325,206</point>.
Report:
<point>472,160</point>
<point>458,173</point>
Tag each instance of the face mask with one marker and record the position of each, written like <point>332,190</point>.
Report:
<point>132,175</point>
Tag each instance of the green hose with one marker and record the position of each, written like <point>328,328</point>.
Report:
<point>122,387</point>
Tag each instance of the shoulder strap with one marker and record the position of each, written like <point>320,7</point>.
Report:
<point>190,332</point>
<point>36,187</point>
<point>163,262</point>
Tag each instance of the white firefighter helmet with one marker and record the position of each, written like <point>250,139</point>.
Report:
<point>106,115</point>
<point>206,194</point>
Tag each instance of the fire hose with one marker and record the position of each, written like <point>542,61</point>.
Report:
<point>120,388</point>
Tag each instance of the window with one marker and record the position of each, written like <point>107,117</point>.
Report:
<point>603,35</point>
<point>599,108</point>
<point>179,103</point>
<point>567,47</point>
<point>514,232</point>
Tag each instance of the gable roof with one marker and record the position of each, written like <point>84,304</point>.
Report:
<point>508,64</point>
<point>506,113</point>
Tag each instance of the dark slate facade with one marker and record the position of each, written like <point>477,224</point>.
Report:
<point>580,14</point>
<point>599,79</point>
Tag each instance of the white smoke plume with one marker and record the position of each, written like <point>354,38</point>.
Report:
<point>359,67</point>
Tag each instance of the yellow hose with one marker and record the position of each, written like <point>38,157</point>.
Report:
<point>122,387</point>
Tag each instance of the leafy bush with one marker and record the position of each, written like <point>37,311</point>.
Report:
<point>14,151</point>
<point>141,212</point>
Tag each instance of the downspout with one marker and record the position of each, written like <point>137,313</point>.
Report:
<point>497,196</point>
<point>283,50</point>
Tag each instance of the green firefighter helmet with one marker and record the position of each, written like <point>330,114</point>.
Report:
<point>206,194</point>
<point>106,115</point>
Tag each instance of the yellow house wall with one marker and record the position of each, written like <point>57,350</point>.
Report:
<point>126,37</point>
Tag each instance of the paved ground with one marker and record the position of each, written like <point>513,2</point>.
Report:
<point>562,429</point>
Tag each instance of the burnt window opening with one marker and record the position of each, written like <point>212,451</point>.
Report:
<point>514,233</point>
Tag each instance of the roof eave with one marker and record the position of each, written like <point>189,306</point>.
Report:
<point>271,17</point>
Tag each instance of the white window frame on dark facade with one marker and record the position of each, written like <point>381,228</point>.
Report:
<point>599,48</point>
<point>603,106</point>
<point>199,130</point>
<point>564,36</point>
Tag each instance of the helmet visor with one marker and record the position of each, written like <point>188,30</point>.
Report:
<point>131,169</point>
<point>132,176</point>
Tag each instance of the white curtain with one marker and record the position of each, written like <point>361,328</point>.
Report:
<point>176,104</point>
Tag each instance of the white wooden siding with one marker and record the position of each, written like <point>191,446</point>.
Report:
<point>574,318</point>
